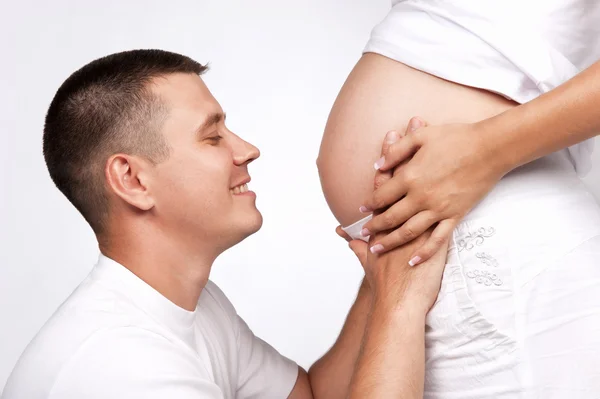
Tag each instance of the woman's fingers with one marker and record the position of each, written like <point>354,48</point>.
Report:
<point>408,231</point>
<point>391,218</point>
<point>438,239</point>
<point>382,177</point>
<point>403,149</point>
<point>388,193</point>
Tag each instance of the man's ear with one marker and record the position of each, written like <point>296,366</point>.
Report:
<point>128,176</point>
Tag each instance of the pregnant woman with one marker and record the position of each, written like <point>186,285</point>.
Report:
<point>518,314</point>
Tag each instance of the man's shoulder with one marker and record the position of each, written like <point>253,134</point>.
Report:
<point>114,354</point>
<point>106,360</point>
<point>90,316</point>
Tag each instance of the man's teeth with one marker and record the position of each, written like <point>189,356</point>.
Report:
<point>239,189</point>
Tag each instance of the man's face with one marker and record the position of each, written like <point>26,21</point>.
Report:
<point>200,191</point>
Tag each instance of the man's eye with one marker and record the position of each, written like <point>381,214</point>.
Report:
<point>216,138</point>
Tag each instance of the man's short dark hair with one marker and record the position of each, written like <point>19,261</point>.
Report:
<point>104,108</point>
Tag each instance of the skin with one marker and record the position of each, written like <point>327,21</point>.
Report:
<point>382,95</point>
<point>169,222</point>
<point>458,164</point>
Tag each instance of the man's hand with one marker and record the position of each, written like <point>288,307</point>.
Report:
<point>450,171</point>
<point>395,284</point>
<point>359,247</point>
<point>392,359</point>
<point>397,306</point>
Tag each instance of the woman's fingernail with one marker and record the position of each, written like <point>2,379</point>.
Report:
<point>379,163</point>
<point>364,209</point>
<point>391,137</point>
<point>375,249</point>
<point>415,123</point>
<point>415,261</point>
<point>365,232</point>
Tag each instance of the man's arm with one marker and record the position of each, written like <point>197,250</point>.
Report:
<point>302,388</point>
<point>330,375</point>
<point>392,358</point>
<point>391,363</point>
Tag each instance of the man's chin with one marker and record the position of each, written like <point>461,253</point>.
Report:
<point>251,225</point>
<point>255,224</point>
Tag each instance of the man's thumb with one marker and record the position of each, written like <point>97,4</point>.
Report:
<point>360,249</point>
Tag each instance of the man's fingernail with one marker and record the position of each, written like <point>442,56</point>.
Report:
<point>391,137</point>
<point>415,261</point>
<point>379,163</point>
<point>415,123</point>
<point>375,249</point>
<point>364,209</point>
<point>365,232</point>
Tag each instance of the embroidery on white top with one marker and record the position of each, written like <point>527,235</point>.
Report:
<point>487,259</point>
<point>475,238</point>
<point>484,277</point>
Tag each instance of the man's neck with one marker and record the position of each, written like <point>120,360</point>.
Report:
<point>165,265</point>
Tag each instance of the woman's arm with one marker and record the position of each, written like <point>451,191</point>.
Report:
<point>454,166</point>
<point>558,119</point>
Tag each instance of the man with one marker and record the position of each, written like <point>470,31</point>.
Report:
<point>138,144</point>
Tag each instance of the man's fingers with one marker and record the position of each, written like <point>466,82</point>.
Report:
<point>359,247</point>
<point>360,250</point>
<point>343,234</point>
<point>441,234</point>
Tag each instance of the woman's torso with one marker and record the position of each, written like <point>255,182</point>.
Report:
<point>535,215</point>
<point>444,50</point>
<point>515,48</point>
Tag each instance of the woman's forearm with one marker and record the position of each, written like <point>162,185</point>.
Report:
<point>558,119</point>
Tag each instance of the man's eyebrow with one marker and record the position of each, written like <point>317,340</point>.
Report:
<point>211,120</point>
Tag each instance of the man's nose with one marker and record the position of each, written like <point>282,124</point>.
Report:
<point>244,152</point>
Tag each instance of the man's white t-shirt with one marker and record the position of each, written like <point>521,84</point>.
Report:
<point>116,337</point>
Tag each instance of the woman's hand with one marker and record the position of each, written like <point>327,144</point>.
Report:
<point>450,171</point>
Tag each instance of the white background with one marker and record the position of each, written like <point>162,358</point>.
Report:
<point>277,66</point>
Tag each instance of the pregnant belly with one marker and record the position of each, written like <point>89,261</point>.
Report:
<point>382,95</point>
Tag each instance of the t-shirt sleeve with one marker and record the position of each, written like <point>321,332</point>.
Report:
<point>133,363</point>
<point>262,371</point>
